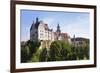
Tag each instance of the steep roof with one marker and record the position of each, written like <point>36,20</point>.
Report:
<point>65,35</point>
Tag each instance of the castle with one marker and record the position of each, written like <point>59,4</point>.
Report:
<point>40,31</point>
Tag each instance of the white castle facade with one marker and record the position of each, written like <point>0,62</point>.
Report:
<point>40,31</point>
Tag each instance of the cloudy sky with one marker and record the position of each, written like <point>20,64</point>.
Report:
<point>70,22</point>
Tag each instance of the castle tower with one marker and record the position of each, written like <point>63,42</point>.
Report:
<point>58,30</point>
<point>37,20</point>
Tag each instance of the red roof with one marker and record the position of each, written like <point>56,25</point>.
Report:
<point>65,35</point>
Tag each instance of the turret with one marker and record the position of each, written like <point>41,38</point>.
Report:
<point>37,20</point>
<point>58,29</point>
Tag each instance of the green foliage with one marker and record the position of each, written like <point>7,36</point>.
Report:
<point>86,51</point>
<point>66,49</point>
<point>35,57</point>
<point>43,55</point>
<point>64,54</point>
<point>28,50</point>
<point>54,51</point>
<point>83,52</point>
<point>25,53</point>
<point>58,51</point>
<point>33,46</point>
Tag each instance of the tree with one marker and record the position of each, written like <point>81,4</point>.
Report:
<point>28,50</point>
<point>59,51</point>
<point>66,48</point>
<point>36,56</point>
<point>80,53</point>
<point>25,53</point>
<point>33,46</point>
<point>64,53</point>
<point>54,51</point>
<point>86,51</point>
<point>43,55</point>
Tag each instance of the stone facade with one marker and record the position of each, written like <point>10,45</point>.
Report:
<point>40,31</point>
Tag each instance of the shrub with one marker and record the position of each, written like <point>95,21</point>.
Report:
<point>25,53</point>
<point>43,55</point>
<point>28,50</point>
<point>59,51</point>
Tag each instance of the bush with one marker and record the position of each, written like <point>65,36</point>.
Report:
<point>33,46</point>
<point>43,55</point>
<point>64,53</point>
<point>59,51</point>
<point>28,50</point>
<point>54,51</point>
<point>25,53</point>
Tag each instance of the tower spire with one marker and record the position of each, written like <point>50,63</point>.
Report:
<point>58,29</point>
<point>37,19</point>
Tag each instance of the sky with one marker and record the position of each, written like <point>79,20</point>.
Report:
<point>73,23</point>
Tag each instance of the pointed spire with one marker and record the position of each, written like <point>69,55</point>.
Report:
<point>58,28</point>
<point>37,19</point>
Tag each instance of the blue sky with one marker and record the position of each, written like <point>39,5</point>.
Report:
<point>70,22</point>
